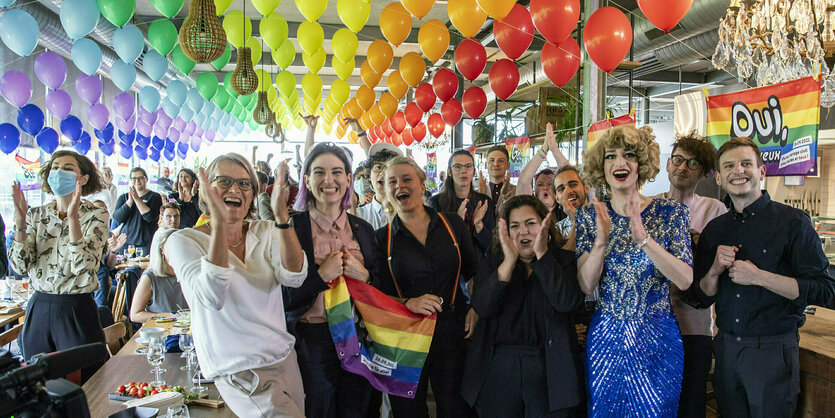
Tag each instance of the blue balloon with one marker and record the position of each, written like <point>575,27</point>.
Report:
<point>47,140</point>
<point>30,119</point>
<point>107,147</point>
<point>122,74</point>
<point>157,142</point>
<point>154,154</point>
<point>182,154</point>
<point>154,64</point>
<point>169,145</point>
<point>128,43</point>
<point>177,92</point>
<point>6,3</point>
<point>71,128</point>
<point>105,134</point>
<point>149,98</point>
<point>169,155</point>
<point>195,144</point>
<point>83,144</point>
<point>195,100</point>
<point>9,138</point>
<point>126,152</point>
<point>141,153</point>
<point>143,140</point>
<point>86,55</point>
<point>127,138</point>
<point>170,108</point>
<point>186,113</point>
<point>79,17</point>
<point>19,31</point>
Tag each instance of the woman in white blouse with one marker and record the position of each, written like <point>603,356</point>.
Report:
<point>232,270</point>
<point>59,245</point>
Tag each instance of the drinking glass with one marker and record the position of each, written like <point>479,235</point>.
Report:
<point>139,252</point>
<point>131,250</point>
<point>25,283</point>
<point>195,365</point>
<point>156,355</point>
<point>186,344</point>
<point>179,411</point>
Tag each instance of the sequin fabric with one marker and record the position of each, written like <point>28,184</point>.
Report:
<point>634,355</point>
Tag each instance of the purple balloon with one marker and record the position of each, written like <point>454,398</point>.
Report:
<point>160,131</point>
<point>16,88</point>
<point>143,128</point>
<point>126,125</point>
<point>190,128</point>
<point>164,120</point>
<point>210,136</point>
<point>59,103</point>
<point>195,143</point>
<point>179,124</point>
<point>149,117</point>
<point>174,135</point>
<point>124,105</point>
<point>51,69</point>
<point>88,88</point>
<point>198,133</point>
<point>98,116</point>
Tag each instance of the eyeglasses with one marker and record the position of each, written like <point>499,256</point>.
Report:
<point>460,167</point>
<point>378,168</point>
<point>692,163</point>
<point>225,182</point>
<point>137,178</point>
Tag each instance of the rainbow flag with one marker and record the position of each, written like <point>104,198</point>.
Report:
<point>519,149</point>
<point>390,345</point>
<point>781,119</point>
<point>597,129</point>
<point>28,179</point>
<point>123,174</point>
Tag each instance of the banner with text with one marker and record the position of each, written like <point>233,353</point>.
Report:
<point>28,179</point>
<point>519,149</point>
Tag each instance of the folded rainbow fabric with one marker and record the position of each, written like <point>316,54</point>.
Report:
<point>597,129</point>
<point>388,347</point>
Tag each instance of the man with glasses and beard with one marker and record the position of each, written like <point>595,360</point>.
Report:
<point>138,212</point>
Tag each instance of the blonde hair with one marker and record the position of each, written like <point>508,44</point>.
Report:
<point>407,161</point>
<point>211,172</point>
<point>156,263</point>
<point>640,141</point>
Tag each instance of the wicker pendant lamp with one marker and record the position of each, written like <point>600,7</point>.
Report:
<point>244,81</point>
<point>202,37</point>
<point>271,130</point>
<point>262,113</point>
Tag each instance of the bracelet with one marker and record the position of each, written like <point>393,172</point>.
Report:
<point>542,153</point>
<point>288,225</point>
<point>363,133</point>
<point>643,243</point>
<point>20,229</point>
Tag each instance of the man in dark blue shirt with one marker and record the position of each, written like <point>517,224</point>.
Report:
<point>761,263</point>
<point>138,212</point>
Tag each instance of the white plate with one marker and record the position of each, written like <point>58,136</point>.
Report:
<point>141,340</point>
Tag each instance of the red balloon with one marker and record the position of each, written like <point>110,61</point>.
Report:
<point>398,122</point>
<point>665,14</point>
<point>372,136</point>
<point>451,111</point>
<point>406,136</point>
<point>396,139</point>
<point>514,33</point>
<point>445,84</point>
<point>475,101</point>
<point>413,114</point>
<point>380,134</point>
<point>555,19</point>
<point>504,78</point>
<point>419,132</point>
<point>561,62</point>
<point>436,124</point>
<point>607,37</point>
<point>470,58</point>
<point>387,129</point>
<point>425,97</point>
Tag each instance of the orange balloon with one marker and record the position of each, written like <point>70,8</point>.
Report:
<point>466,16</point>
<point>396,23</point>
<point>365,121</point>
<point>497,9</point>
<point>380,55</point>
<point>388,104</point>
<point>397,86</point>
<point>353,137</point>
<point>369,77</point>
<point>377,115</point>
<point>433,38</point>
<point>412,68</point>
<point>366,97</point>
<point>353,108</point>
<point>340,131</point>
<point>419,8</point>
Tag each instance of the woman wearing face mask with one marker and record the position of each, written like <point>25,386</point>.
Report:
<point>336,243</point>
<point>522,359</point>
<point>59,245</point>
<point>422,257</point>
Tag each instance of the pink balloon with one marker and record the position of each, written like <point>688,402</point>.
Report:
<point>124,105</point>
<point>59,103</point>
<point>88,88</point>
<point>16,88</point>
<point>51,69</point>
<point>98,116</point>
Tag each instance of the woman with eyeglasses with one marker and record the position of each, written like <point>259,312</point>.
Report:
<point>232,273</point>
<point>336,243</point>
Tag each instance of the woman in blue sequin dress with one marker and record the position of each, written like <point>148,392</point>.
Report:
<point>633,247</point>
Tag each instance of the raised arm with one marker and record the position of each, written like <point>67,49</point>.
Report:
<point>311,122</point>
<point>590,263</point>
<point>355,125</point>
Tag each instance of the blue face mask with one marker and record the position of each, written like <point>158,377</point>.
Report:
<point>62,182</point>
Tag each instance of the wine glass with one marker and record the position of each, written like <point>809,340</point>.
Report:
<point>186,344</point>
<point>131,250</point>
<point>139,252</point>
<point>195,364</point>
<point>179,411</point>
<point>156,355</point>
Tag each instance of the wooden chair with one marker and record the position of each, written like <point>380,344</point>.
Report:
<point>10,335</point>
<point>113,337</point>
<point>120,299</point>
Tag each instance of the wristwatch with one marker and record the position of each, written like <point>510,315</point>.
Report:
<point>288,225</point>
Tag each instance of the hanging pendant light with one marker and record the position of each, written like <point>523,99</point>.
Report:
<point>244,81</point>
<point>261,114</point>
<point>202,37</point>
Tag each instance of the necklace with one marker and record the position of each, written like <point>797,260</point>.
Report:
<point>231,246</point>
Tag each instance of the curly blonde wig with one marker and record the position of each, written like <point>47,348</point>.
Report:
<point>641,141</point>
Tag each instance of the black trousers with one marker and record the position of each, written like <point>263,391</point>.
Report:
<point>697,356</point>
<point>330,391</point>
<point>756,376</point>
<point>60,322</point>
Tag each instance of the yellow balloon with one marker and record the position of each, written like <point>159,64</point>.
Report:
<point>395,23</point>
<point>311,36</point>
<point>343,70</point>
<point>285,54</point>
<point>298,123</point>
<point>380,55</point>
<point>388,104</point>
<point>369,77</point>
<point>366,97</point>
<point>344,44</point>
<point>266,6</point>
<point>419,8</point>
<point>312,9</point>
<point>221,6</point>
<point>377,115</point>
<point>433,38</point>
<point>328,125</point>
<point>254,49</point>
<point>238,28</point>
<point>272,96</point>
<point>312,85</point>
<point>466,16</point>
<point>340,91</point>
<point>274,30</point>
<point>497,9</point>
<point>396,85</point>
<point>412,68</point>
<point>286,83</point>
<point>264,79</point>
<point>331,106</point>
<point>314,62</point>
<point>353,13</point>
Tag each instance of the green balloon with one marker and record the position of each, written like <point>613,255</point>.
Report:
<point>230,106</point>
<point>224,59</point>
<point>221,98</point>
<point>253,125</point>
<point>117,12</point>
<point>244,100</point>
<point>207,85</point>
<point>252,103</point>
<point>162,35</point>
<point>181,61</point>
<point>168,8</point>
<point>227,82</point>
<point>242,115</point>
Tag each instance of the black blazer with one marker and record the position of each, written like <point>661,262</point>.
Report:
<point>298,300</point>
<point>556,287</point>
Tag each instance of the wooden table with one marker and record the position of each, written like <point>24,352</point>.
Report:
<point>120,370</point>
<point>817,365</point>
<point>130,347</point>
<point>9,318</point>
<point>143,263</point>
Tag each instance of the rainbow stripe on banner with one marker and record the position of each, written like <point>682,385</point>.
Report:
<point>781,119</point>
<point>28,179</point>
<point>390,349</point>
<point>519,149</point>
<point>123,174</point>
<point>597,129</point>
